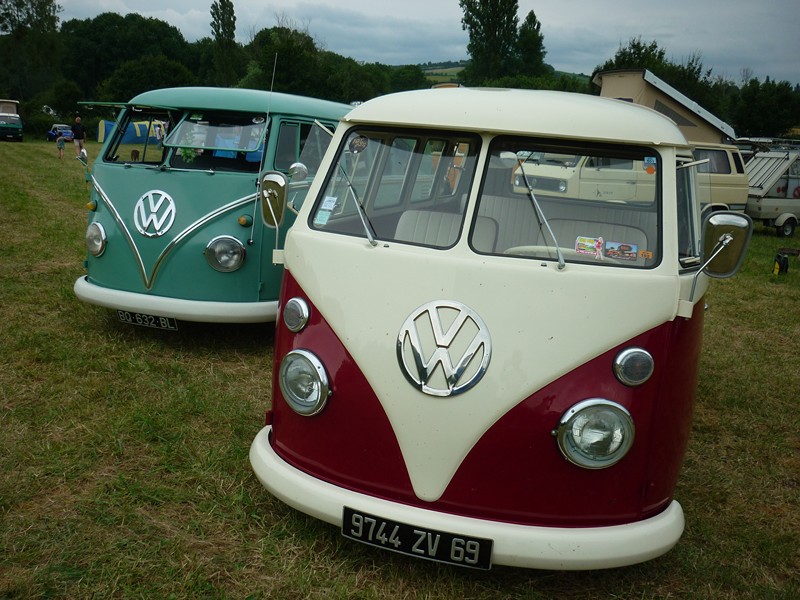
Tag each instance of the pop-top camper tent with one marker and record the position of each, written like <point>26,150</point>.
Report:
<point>640,86</point>
<point>723,180</point>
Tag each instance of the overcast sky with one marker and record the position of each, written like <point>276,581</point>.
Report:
<point>731,36</point>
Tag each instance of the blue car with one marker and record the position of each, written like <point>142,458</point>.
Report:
<point>59,129</point>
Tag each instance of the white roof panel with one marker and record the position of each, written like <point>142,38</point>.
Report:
<point>527,112</point>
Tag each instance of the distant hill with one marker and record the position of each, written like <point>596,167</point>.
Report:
<point>443,72</point>
<point>448,71</point>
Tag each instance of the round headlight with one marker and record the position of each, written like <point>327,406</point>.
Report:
<point>225,253</point>
<point>295,314</point>
<point>595,433</point>
<point>303,382</point>
<point>633,366</point>
<point>562,186</point>
<point>96,239</point>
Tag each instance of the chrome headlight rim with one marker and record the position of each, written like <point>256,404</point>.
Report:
<point>312,368</point>
<point>631,374</point>
<point>296,314</point>
<point>235,250</point>
<point>578,416</point>
<point>96,239</point>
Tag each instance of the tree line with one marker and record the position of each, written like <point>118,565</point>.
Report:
<point>507,53</point>
<point>48,63</point>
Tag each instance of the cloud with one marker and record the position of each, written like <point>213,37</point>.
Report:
<point>728,35</point>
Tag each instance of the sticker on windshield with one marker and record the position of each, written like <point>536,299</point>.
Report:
<point>650,163</point>
<point>621,250</point>
<point>329,203</point>
<point>592,246</point>
<point>321,218</point>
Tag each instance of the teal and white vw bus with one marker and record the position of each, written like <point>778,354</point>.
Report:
<point>178,229</point>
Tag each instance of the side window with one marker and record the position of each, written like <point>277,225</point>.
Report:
<point>688,227</point>
<point>737,161</point>
<point>314,141</point>
<point>395,184</point>
<point>599,162</point>
<point>288,148</point>
<point>138,137</point>
<point>717,161</point>
<point>394,172</point>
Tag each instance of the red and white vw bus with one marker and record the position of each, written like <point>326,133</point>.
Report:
<point>475,369</point>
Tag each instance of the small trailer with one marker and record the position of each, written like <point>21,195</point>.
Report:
<point>774,195</point>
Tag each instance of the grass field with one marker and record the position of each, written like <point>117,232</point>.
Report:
<point>123,451</point>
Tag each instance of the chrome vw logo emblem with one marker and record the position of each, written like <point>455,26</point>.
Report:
<point>432,336</point>
<point>154,213</point>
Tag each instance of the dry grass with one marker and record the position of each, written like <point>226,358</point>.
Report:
<point>123,452</point>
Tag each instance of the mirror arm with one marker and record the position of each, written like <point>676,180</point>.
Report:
<point>724,241</point>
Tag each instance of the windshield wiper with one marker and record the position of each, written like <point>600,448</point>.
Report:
<point>360,209</point>
<point>540,214</point>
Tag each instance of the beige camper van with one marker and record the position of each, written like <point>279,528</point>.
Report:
<point>722,179</point>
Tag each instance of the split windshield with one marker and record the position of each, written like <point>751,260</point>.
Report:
<point>596,204</point>
<point>226,141</point>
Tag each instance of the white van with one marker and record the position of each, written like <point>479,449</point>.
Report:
<point>473,371</point>
<point>722,179</point>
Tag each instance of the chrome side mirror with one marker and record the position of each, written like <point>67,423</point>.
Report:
<point>298,172</point>
<point>726,237</point>
<point>273,197</point>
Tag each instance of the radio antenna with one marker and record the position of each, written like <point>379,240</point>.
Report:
<point>263,158</point>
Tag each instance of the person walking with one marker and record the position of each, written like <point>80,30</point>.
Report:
<point>79,136</point>
<point>60,145</point>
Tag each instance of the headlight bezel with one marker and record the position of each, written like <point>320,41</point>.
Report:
<point>310,366</point>
<point>212,253</point>
<point>96,239</point>
<point>582,414</point>
<point>296,314</point>
<point>626,372</point>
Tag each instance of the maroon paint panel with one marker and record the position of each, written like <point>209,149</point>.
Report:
<point>515,472</point>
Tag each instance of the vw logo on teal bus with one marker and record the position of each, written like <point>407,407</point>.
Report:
<point>154,213</point>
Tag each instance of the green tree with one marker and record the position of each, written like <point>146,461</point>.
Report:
<point>96,47</point>
<point>36,15</point>
<point>689,78</point>
<point>530,47</point>
<point>768,109</point>
<point>200,60</point>
<point>227,53</point>
<point>407,77</point>
<point>637,55</point>
<point>286,60</point>
<point>30,50</point>
<point>345,80</point>
<point>492,46</point>
<point>146,73</point>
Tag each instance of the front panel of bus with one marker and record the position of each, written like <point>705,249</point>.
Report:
<point>488,344</point>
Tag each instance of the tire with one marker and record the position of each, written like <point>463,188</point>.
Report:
<point>787,229</point>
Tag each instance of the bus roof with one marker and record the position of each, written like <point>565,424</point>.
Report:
<point>527,112</point>
<point>238,99</point>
